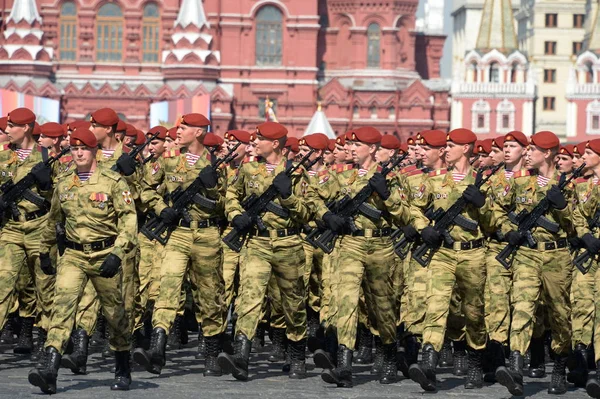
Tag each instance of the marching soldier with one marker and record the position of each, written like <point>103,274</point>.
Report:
<point>565,159</point>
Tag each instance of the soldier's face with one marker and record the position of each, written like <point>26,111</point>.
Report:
<point>251,149</point>
<point>577,161</point>
<point>129,141</point>
<point>591,159</point>
<point>16,133</point>
<point>101,132</point>
<point>187,134</point>
<point>496,156</point>
<point>340,154</point>
<point>383,155</point>
<point>156,147</point>
<point>240,152</point>
<point>328,157</point>
<point>536,156</point>
<point>64,142</point>
<point>169,144</point>
<point>361,152</point>
<point>119,136</point>
<point>485,160</point>
<point>454,152</point>
<point>419,154</point>
<point>431,155</point>
<point>265,147</point>
<point>564,163</point>
<point>513,152</point>
<point>46,142</point>
<point>83,156</point>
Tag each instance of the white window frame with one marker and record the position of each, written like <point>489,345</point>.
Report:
<point>481,107</point>
<point>591,110</point>
<point>505,107</point>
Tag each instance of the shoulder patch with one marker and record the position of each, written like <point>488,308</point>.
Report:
<point>5,147</point>
<point>323,172</point>
<point>414,172</point>
<point>250,159</point>
<point>171,154</point>
<point>522,173</point>
<point>439,172</point>
<point>65,159</point>
<point>409,169</point>
<point>581,180</point>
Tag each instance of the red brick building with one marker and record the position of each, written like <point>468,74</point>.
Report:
<point>364,61</point>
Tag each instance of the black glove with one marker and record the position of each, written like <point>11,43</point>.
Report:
<point>334,222</point>
<point>169,216</point>
<point>379,185</point>
<point>46,264</point>
<point>514,238</point>
<point>241,222</point>
<point>410,233</point>
<point>126,165</point>
<point>208,177</point>
<point>575,242</point>
<point>42,175</point>
<point>110,267</point>
<point>556,198</point>
<point>591,243</point>
<point>473,195</point>
<point>283,184</point>
<point>431,237</point>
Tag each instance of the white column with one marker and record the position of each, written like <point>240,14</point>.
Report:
<point>456,115</point>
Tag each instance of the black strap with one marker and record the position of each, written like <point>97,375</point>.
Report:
<point>91,247</point>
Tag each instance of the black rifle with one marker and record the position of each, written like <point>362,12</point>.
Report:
<point>348,208</point>
<point>255,205</point>
<point>443,220</point>
<point>137,150</point>
<point>527,221</point>
<point>12,193</point>
<point>584,260</point>
<point>402,246</point>
<point>156,228</point>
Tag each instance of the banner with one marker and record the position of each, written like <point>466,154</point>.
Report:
<point>45,109</point>
<point>166,113</point>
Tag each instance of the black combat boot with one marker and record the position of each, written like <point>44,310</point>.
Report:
<point>445,355</point>
<point>389,374</point>
<point>9,331</point>
<point>77,360</point>
<point>579,374</point>
<point>213,348</point>
<point>122,372</point>
<point>277,353</point>
<point>106,351</point>
<point>174,340</point>
<point>377,367</point>
<point>558,382</point>
<point>461,364</point>
<point>312,322</point>
<point>237,365</point>
<point>154,358</point>
<point>25,343</point>
<point>45,377</point>
<point>297,351</point>
<point>593,384</point>
<point>99,336</point>
<point>259,337</point>
<point>410,355</point>
<point>38,354</point>
<point>201,343</point>
<point>537,362</point>
<point>326,358</point>
<point>495,358</point>
<point>364,352</point>
<point>475,373</point>
<point>342,374</point>
<point>424,372</point>
<point>512,377</point>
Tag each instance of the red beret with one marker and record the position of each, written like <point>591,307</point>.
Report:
<point>172,132</point>
<point>341,140</point>
<point>52,129</point>
<point>79,125</point>
<point>195,120</point>
<point>21,116</point>
<point>240,135</point>
<point>36,129</point>
<point>485,146</point>
<point>498,142</point>
<point>140,137</point>
<point>545,140</point>
<point>331,145</point>
<point>292,143</point>
<point>316,141</point>
<point>161,130</point>
<point>433,138</point>
<point>593,145</point>
<point>567,150</point>
<point>517,136</point>
<point>121,126</point>
<point>83,137</point>
<point>271,130</point>
<point>105,117</point>
<point>412,140</point>
<point>3,123</point>
<point>131,131</point>
<point>213,140</point>
<point>390,142</point>
<point>580,148</point>
<point>461,136</point>
<point>404,148</point>
<point>348,135</point>
<point>367,135</point>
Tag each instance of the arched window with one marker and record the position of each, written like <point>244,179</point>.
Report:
<point>494,73</point>
<point>373,46</point>
<point>474,71</point>
<point>589,73</point>
<point>67,23</point>
<point>593,118</point>
<point>392,113</point>
<point>269,36</point>
<point>505,112</point>
<point>150,29</point>
<point>109,33</point>
<point>513,73</point>
<point>480,113</point>
<point>373,112</point>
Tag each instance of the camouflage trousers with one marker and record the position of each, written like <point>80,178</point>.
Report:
<point>149,277</point>
<point>197,252</point>
<point>497,295</point>
<point>25,297</point>
<point>541,275</point>
<point>597,310</point>
<point>452,270</point>
<point>231,266</point>
<point>415,293</point>
<point>582,305</point>
<point>20,243</point>
<point>330,282</point>
<point>74,270</point>
<point>284,259</point>
<point>398,284</point>
<point>371,259</point>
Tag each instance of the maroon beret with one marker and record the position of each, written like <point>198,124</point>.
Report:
<point>316,141</point>
<point>121,126</point>
<point>36,129</point>
<point>593,145</point>
<point>341,140</point>
<point>213,140</point>
<point>140,137</point>
<point>271,130</point>
<point>172,133</point>
<point>195,120</point>
<point>545,140</point>
<point>161,130</point>
<point>79,125</point>
<point>461,136</point>
<point>21,116</point>
<point>567,149</point>
<point>390,142</point>
<point>3,123</point>
<point>105,117</point>
<point>433,138</point>
<point>580,148</point>
<point>367,135</point>
<point>52,129</point>
<point>240,135</point>
<point>292,143</point>
<point>83,137</point>
<point>517,136</point>
<point>485,146</point>
<point>331,145</point>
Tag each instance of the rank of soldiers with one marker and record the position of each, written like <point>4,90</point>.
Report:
<point>444,251</point>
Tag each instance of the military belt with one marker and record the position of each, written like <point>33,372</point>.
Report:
<point>199,224</point>
<point>464,245</point>
<point>30,216</point>
<point>549,245</point>
<point>92,246</point>
<point>370,233</point>
<point>275,233</point>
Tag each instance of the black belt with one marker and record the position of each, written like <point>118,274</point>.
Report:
<point>549,245</point>
<point>199,224</point>
<point>385,232</point>
<point>92,246</point>
<point>275,233</point>
<point>30,216</point>
<point>498,237</point>
<point>464,245</point>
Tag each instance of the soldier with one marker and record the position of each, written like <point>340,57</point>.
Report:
<point>578,152</point>
<point>291,148</point>
<point>484,149</point>
<point>543,271</point>
<point>328,155</point>
<point>565,158</point>
<point>96,206</point>
<point>497,153</point>
<point>120,130</point>
<point>171,140</point>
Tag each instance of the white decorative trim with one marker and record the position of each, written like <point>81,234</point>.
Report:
<point>505,107</point>
<point>261,3</point>
<point>592,110</point>
<point>272,81</point>
<point>480,108</point>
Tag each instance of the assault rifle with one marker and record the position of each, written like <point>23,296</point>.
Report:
<point>527,221</point>
<point>137,150</point>
<point>255,205</point>
<point>584,260</point>
<point>348,208</point>
<point>402,246</point>
<point>443,220</point>
<point>157,229</point>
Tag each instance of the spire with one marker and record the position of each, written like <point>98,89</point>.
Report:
<point>24,10</point>
<point>319,124</point>
<point>191,12</point>
<point>592,35</point>
<point>497,29</point>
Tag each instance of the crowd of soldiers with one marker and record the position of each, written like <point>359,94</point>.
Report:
<point>480,255</point>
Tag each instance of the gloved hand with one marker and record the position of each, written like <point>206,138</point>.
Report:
<point>126,165</point>
<point>575,242</point>
<point>431,237</point>
<point>110,267</point>
<point>556,198</point>
<point>333,221</point>
<point>379,185</point>
<point>208,177</point>
<point>514,238</point>
<point>473,195</point>
<point>283,184</point>
<point>169,216</point>
<point>42,175</point>
<point>410,233</point>
<point>591,243</point>
<point>241,222</point>
<point>46,264</point>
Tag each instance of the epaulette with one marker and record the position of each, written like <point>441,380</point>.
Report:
<point>344,167</point>
<point>110,173</point>
<point>474,173</point>
<point>323,172</point>
<point>439,172</point>
<point>414,172</point>
<point>6,146</point>
<point>65,159</point>
<point>250,158</point>
<point>409,169</point>
<point>582,180</point>
<point>523,173</point>
<point>171,154</point>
